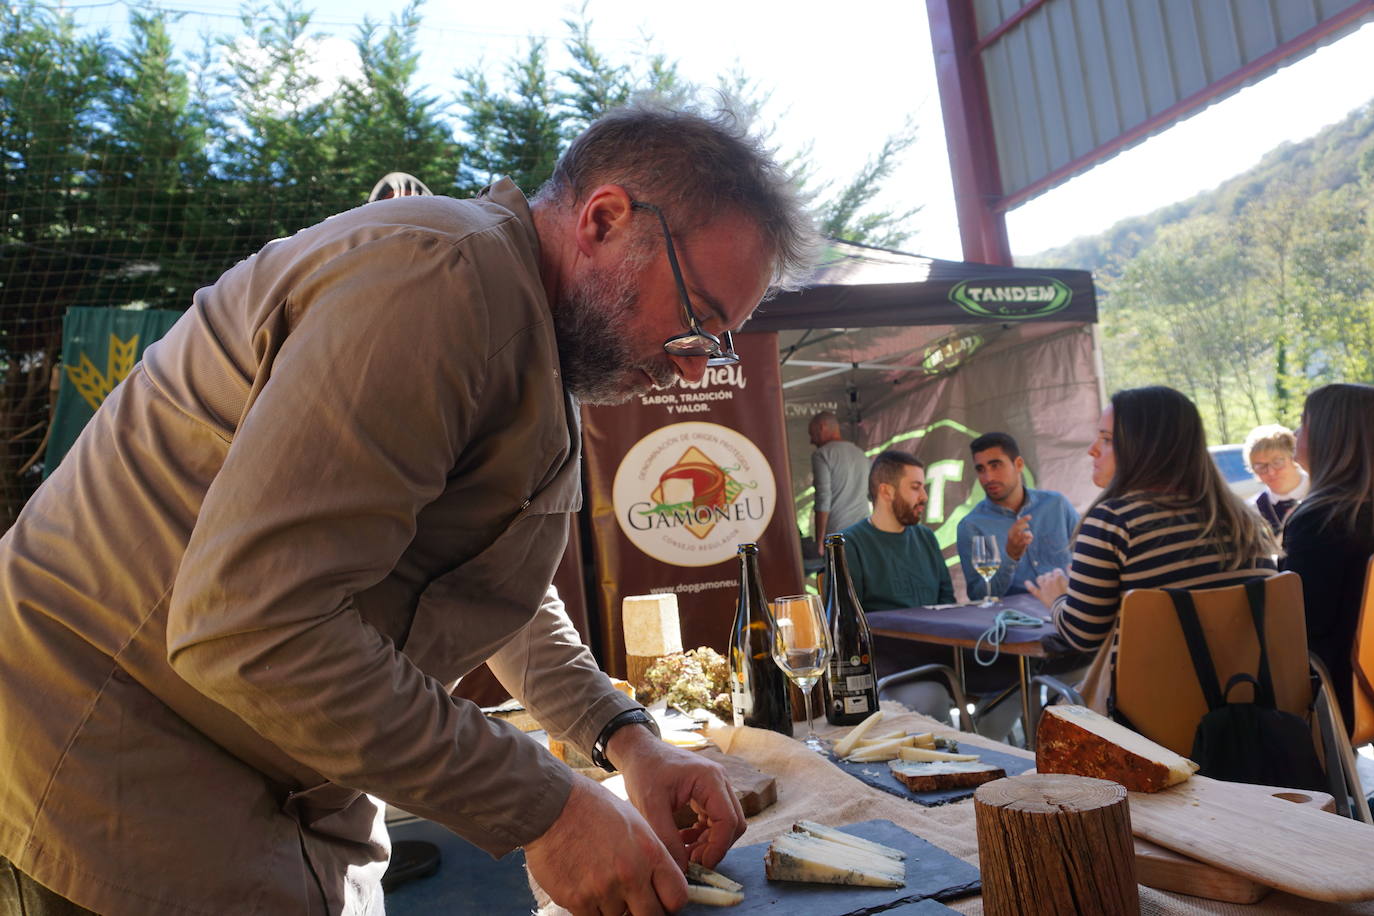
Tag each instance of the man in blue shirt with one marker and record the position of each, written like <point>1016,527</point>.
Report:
<point>1034,528</point>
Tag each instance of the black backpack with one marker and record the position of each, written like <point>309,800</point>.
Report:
<point>1246,742</point>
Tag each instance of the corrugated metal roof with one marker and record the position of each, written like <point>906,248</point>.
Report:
<point>1075,75</point>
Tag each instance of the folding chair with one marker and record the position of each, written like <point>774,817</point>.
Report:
<point>1361,731</point>
<point>1156,691</point>
<point>934,672</point>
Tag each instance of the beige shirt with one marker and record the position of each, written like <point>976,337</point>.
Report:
<point>338,484</point>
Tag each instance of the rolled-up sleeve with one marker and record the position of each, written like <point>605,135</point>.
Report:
<point>364,415</point>
<point>820,475</point>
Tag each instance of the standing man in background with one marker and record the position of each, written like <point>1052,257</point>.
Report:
<point>1007,512</point>
<point>839,469</point>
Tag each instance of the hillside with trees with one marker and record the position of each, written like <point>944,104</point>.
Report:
<point>1249,295</point>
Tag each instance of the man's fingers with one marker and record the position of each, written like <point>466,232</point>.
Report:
<point>660,818</point>
<point>666,890</point>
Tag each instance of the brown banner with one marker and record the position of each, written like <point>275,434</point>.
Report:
<point>675,480</point>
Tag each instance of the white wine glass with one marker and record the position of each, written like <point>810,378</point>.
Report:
<point>986,559</point>
<point>801,647</point>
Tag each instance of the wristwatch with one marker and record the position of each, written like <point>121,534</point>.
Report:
<point>628,717</point>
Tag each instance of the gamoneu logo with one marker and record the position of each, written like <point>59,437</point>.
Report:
<point>689,493</point>
<point>1032,297</point>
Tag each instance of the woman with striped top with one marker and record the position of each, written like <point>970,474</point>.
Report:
<point>1165,518</point>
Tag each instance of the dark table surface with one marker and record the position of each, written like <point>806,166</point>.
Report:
<point>963,624</point>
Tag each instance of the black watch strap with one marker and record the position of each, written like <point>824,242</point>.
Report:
<point>628,717</point>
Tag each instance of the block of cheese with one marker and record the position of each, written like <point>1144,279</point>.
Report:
<point>934,775</point>
<point>1078,741</point>
<point>802,857</point>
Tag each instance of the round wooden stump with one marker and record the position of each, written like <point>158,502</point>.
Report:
<point>1052,844</point>
<point>636,666</point>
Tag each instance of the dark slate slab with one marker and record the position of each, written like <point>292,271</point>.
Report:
<point>930,873</point>
<point>468,880</point>
<point>925,907</point>
<point>879,776</point>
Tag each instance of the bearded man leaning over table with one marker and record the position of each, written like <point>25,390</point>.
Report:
<point>235,612</point>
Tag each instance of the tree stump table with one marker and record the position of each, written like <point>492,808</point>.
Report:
<point>1053,844</point>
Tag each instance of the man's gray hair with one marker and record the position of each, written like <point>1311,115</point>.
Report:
<point>694,167</point>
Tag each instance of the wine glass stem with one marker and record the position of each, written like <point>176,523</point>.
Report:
<point>810,727</point>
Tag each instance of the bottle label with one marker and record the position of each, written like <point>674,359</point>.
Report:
<point>740,697</point>
<point>856,704</point>
<point>858,682</point>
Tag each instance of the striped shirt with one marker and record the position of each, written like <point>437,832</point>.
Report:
<point>1130,542</point>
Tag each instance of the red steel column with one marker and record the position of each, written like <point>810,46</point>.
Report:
<point>968,132</point>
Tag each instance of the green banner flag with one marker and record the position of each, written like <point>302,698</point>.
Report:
<point>99,348</point>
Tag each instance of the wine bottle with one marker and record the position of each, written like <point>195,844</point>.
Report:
<point>851,682</point>
<point>758,687</point>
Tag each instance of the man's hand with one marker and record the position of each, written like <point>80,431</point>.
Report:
<point>600,857</point>
<point>660,779</point>
<point>1019,538</point>
<point>1049,586</point>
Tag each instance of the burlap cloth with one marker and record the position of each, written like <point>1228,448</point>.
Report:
<point>810,786</point>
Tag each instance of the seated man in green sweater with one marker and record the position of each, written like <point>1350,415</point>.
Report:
<point>895,562</point>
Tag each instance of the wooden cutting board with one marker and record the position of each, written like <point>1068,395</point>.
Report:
<point>1166,870</point>
<point>1295,848</point>
<point>754,788</point>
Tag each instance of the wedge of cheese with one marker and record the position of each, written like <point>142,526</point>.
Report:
<point>833,835</point>
<point>702,875</point>
<point>802,857</point>
<point>845,745</point>
<point>932,776</point>
<point>1078,741</point>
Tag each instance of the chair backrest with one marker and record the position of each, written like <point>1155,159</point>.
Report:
<point>1156,688</point>
<point>1362,729</point>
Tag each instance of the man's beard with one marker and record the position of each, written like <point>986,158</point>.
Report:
<point>591,322</point>
<point>907,513</point>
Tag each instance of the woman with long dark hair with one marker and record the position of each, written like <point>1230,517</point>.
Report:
<point>1328,539</point>
<point>1164,519</point>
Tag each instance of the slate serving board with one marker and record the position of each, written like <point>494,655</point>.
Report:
<point>879,776</point>
<point>930,873</point>
<point>926,907</point>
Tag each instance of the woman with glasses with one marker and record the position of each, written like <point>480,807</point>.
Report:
<point>1165,519</point>
<point>1329,538</point>
<point>1270,453</point>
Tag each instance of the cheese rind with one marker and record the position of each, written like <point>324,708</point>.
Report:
<point>1080,742</point>
<point>936,775</point>
<point>800,857</point>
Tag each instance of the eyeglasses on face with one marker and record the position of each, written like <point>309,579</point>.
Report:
<point>1264,467</point>
<point>719,351</point>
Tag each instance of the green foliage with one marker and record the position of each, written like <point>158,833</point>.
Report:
<point>1248,297</point>
<point>131,175</point>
